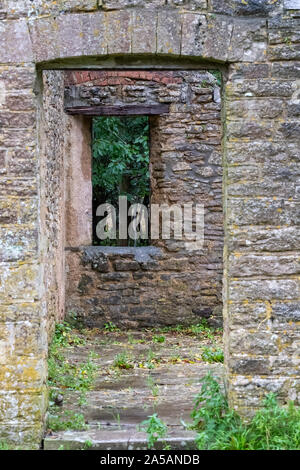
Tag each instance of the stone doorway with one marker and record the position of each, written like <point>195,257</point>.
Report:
<point>172,281</point>
<point>256,44</point>
<point>125,297</point>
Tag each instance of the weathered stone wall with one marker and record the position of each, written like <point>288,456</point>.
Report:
<point>23,341</point>
<point>262,290</point>
<point>177,284</point>
<point>52,193</point>
<point>257,41</point>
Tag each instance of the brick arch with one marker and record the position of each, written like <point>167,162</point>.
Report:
<point>256,41</point>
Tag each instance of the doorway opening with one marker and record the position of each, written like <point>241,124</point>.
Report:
<point>150,315</point>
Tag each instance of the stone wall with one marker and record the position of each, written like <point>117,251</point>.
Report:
<point>175,284</point>
<point>257,43</point>
<point>52,194</point>
<point>23,331</point>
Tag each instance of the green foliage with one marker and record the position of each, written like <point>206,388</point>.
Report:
<point>218,75</point>
<point>61,373</point>
<point>111,327</point>
<point>158,339</point>
<point>4,446</point>
<point>65,336</point>
<point>120,165</point>
<point>120,158</point>
<point>155,429</point>
<point>221,428</point>
<point>66,420</point>
<point>69,376</point>
<point>200,329</point>
<point>123,361</point>
<point>87,444</point>
<point>213,354</point>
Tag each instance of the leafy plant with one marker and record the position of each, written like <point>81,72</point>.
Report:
<point>70,376</point>
<point>111,327</point>
<point>87,444</point>
<point>123,361</point>
<point>218,75</point>
<point>152,385</point>
<point>151,360</point>
<point>65,375</point>
<point>200,329</point>
<point>213,354</point>
<point>4,446</point>
<point>120,161</point>
<point>155,429</point>
<point>66,420</point>
<point>158,339</point>
<point>65,336</point>
<point>221,428</point>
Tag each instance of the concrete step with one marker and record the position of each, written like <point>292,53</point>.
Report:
<point>104,439</point>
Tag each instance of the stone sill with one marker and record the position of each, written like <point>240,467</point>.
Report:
<point>141,254</point>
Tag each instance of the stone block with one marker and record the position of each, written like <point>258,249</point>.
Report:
<point>247,8</point>
<point>248,41</point>
<point>119,32</point>
<point>261,88</point>
<point>247,265</point>
<point>19,282</point>
<point>263,211</point>
<point>17,79</point>
<point>22,408</point>
<point>18,243</point>
<point>284,52</point>
<point>264,239</point>
<point>238,71</point>
<point>291,4</point>
<point>193,34</point>
<point>168,33</point>
<point>252,290</point>
<point>216,37</point>
<point>14,211</point>
<point>261,152</point>
<point>126,265</point>
<point>15,44</point>
<point>144,32</point>
<point>27,374</point>
<point>30,312</point>
<point>25,340</point>
<point>189,4</point>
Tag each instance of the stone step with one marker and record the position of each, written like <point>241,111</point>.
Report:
<point>121,399</point>
<point>127,439</point>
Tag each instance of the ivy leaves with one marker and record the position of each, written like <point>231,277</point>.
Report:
<point>120,158</point>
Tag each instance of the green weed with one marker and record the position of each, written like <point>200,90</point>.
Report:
<point>123,361</point>
<point>155,429</point>
<point>213,354</point>
<point>158,339</point>
<point>220,428</point>
<point>63,374</point>
<point>66,420</point>
<point>111,327</point>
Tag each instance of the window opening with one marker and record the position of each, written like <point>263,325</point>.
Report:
<point>120,167</point>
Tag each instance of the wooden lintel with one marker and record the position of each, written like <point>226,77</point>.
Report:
<point>122,110</point>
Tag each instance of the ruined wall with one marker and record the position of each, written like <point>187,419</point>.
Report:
<point>257,42</point>
<point>175,284</point>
